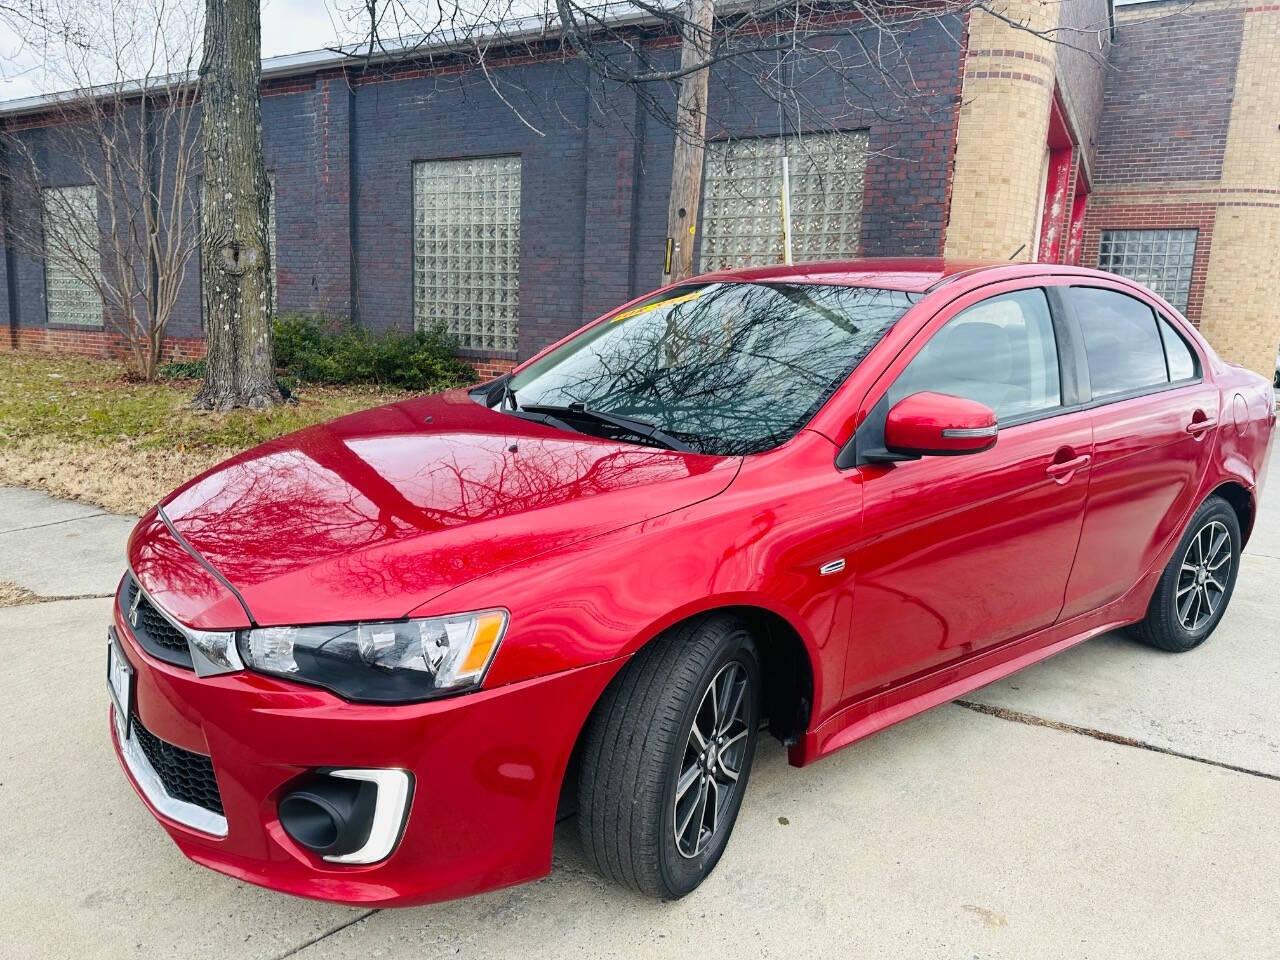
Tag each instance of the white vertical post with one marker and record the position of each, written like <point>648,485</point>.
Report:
<point>786,211</point>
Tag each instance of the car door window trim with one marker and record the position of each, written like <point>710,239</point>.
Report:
<point>1073,370</point>
<point>1093,403</point>
<point>868,438</point>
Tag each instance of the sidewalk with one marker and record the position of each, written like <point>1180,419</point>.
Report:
<point>57,548</point>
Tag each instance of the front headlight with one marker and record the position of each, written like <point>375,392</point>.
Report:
<point>396,661</point>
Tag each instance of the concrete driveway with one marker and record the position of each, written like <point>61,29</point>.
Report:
<point>1111,802</point>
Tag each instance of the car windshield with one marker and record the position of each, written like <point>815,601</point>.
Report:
<point>724,368</point>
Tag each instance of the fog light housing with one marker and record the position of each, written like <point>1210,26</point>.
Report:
<point>352,816</point>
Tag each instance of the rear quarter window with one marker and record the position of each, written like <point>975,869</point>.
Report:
<point>1182,359</point>
<point>1122,343</point>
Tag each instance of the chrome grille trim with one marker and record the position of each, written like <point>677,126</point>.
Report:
<point>148,781</point>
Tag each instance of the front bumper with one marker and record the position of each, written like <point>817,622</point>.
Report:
<point>487,768</point>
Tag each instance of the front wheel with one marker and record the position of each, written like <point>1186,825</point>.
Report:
<point>1196,586</point>
<point>667,755</point>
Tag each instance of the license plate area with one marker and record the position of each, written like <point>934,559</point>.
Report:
<point>119,685</point>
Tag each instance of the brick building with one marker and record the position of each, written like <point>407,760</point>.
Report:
<point>413,193</point>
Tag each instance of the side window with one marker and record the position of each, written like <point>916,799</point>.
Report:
<point>1121,341</point>
<point>1000,352</point>
<point>1182,359</point>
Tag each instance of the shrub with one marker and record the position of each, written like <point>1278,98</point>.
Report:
<point>312,352</point>
<point>183,370</point>
<point>338,352</point>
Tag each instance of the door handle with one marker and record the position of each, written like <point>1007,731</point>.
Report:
<point>1197,427</point>
<point>1062,470</point>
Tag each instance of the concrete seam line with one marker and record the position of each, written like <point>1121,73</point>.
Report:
<point>54,523</point>
<point>1247,555</point>
<point>37,598</point>
<point>1029,719</point>
<point>293,952</point>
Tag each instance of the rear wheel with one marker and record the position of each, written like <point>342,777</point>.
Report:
<point>1196,586</point>
<point>667,755</point>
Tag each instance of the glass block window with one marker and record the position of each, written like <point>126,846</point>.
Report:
<point>71,256</point>
<point>466,249</point>
<point>1160,259</point>
<point>742,199</point>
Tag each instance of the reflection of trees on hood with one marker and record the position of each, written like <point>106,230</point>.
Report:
<point>331,493</point>
<point>736,369</point>
<point>164,564</point>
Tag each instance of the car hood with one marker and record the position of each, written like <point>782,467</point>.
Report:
<point>374,514</point>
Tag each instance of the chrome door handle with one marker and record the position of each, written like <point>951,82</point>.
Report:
<point>1065,468</point>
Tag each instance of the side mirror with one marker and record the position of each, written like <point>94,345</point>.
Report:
<point>937,424</point>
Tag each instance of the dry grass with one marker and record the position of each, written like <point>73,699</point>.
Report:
<point>13,595</point>
<point>119,477</point>
<point>76,428</point>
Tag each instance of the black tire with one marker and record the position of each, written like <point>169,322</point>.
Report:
<point>636,745</point>
<point>1186,607</point>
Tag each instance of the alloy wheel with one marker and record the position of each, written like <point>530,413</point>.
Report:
<point>712,762</point>
<point>1203,576</point>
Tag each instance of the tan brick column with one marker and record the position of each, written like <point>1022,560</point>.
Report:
<point>1000,138</point>
<point>1241,315</point>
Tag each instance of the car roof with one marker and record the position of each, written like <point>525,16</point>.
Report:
<point>911,274</point>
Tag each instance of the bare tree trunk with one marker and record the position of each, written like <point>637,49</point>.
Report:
<point>235,261</point>
<point>691,143</point>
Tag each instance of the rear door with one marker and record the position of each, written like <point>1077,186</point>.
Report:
<point>1154,429</point>
<point>959,553</point>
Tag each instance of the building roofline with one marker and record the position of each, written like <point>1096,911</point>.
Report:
<point>509,32</point>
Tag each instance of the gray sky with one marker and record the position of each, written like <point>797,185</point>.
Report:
<point>288,26</point>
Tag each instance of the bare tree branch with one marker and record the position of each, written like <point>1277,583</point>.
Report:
<point>126,133</point>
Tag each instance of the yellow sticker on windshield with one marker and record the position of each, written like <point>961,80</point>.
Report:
<point>636,311</point>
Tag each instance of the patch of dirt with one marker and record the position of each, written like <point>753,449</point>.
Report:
<point>13,595</point>
<point>989,917</point>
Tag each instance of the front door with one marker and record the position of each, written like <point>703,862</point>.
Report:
<point>957,554</point>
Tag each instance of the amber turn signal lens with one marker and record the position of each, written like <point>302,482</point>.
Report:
<point>489,628</point>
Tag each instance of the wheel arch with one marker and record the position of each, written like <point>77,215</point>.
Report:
<point>786,664</point>
<point>1240,499</point>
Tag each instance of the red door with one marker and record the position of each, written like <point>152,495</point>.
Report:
<point>957,554</point>
<point>960,553</point>
<point>1150,450</point>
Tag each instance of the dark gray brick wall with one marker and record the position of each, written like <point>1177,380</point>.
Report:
<point>1168,97</point>
<point>1082,67</point>
<point>59,168</point>
<point>595,174</point>
<point>400,120</point>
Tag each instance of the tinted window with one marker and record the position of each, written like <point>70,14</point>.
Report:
<point>1121,341</point>
<point>728,368</point>
<point>1182,362</point>
<point>1000,352</point>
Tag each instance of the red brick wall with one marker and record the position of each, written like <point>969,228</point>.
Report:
<point>93,343</point>
<point>487,368</point>
<point>98,343</point>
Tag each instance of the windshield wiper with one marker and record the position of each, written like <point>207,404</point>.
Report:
<point>634,426</point>
<point>537,417</point>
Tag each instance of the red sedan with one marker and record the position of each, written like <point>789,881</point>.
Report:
<point>373,661</point>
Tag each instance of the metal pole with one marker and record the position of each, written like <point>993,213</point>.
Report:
<point>786,212</point>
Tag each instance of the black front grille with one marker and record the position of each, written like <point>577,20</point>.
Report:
<point>186,776</point>
<point>157,635</point>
